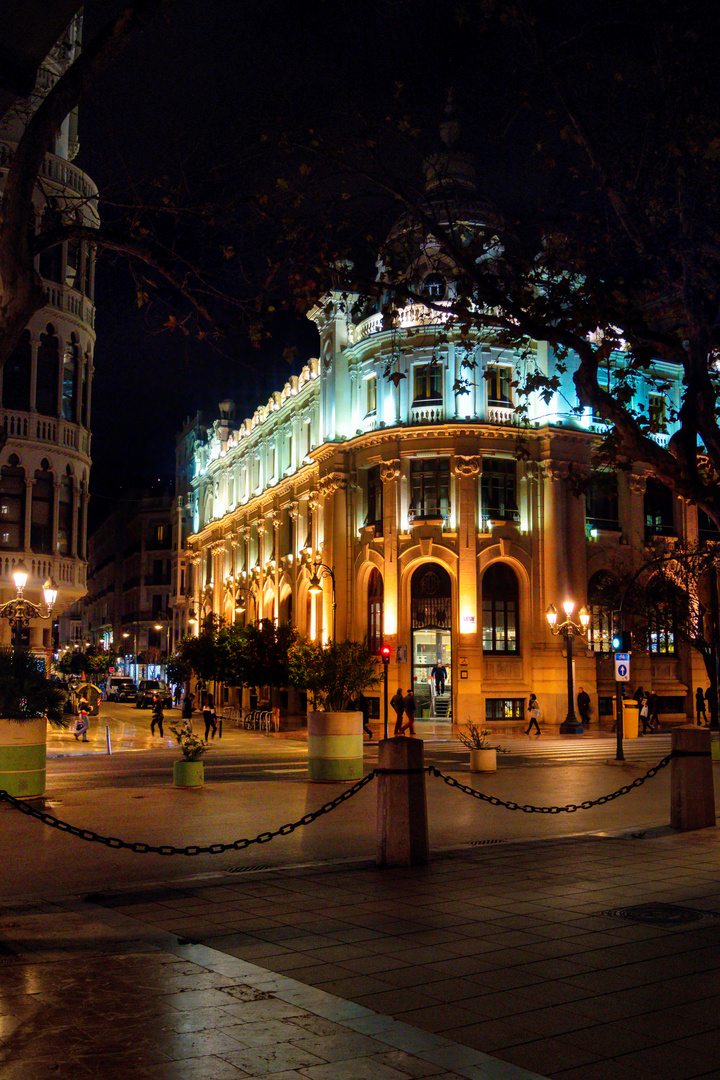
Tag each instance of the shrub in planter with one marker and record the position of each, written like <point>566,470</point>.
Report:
<point>334,675</point>
<point>189,771</point>
<point>28,701</point>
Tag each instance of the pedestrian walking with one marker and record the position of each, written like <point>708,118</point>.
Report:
<point>83,721</point>
<point>187,706</point>
<point>534,714</point>
<point>157,716</point>
<point>645,715</point>
<point>210,717</point>
<point>397,701</point>
<point>439,674</point>
<point>583,703</point>
<point>700,714</point>
<point>653,706</point>
<point>410,706</point>
<point>177,695</point>
<point>362,705</point>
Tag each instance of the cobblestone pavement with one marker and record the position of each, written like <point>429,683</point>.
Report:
<point>501,964</point>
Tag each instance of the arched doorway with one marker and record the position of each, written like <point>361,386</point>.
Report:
<point>431,637</point>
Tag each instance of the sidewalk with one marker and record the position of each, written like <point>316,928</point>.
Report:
<point>481,965</point>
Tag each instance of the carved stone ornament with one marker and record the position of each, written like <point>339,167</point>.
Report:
<point>312,500</point>
<point>466,467</point>
<point>390,470</point>
<point>638,483</point>
<point>294,511</point>
<point>332,482</point>
<point>218,547</point>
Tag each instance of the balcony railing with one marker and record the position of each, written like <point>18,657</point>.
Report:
<point>45,429</point>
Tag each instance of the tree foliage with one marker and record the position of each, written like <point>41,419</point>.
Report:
<point>85,662</point>
<point>25,691</point>
<point>334,674</point>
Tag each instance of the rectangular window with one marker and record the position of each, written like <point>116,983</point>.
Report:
<point>658,505</point>
<point>504,708</point>
<point>498,490</point>
<point>160,536</point>
<point>600,629</point>
<point>499,389</point>
<point>430,488</point>
<point>656,413</point>
<point>661,637</point>
<point>289,446</point>
<point>271,462</point>
<point>601,502</point>
<point>427,383</point>
<point>374,514</point>
<point>371,395</point>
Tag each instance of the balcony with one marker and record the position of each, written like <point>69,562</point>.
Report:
<point>46,429</point>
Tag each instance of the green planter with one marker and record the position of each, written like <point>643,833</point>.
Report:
<point>22,757</point>
<point>188,774</point>
<point>335,746</point>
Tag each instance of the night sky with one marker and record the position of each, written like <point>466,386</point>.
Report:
<point>197,91</point>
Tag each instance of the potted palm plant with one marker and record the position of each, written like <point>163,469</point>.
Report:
<point>483,753</point>
<point>189,771</point>
<point>28,702</point>
<point>334,675</point>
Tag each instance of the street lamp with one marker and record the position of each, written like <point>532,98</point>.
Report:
<point>321,570</point>
<point>569,629</point>
<point>20,611</point>
<point>126,634</point>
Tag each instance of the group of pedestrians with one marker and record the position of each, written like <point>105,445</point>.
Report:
<point>209,714</point>
<point>404,705</point>
<point>648,706</point>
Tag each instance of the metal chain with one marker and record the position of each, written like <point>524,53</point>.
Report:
<point>168,849</point>
<point>569,809</point>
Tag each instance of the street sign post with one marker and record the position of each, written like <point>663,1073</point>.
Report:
<point>622,667</point>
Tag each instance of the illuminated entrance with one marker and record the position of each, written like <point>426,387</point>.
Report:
<point>430,627</point>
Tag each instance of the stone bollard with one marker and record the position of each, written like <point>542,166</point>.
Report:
<point>692,799</point>
<point>402,830</point>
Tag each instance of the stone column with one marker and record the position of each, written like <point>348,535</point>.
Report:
<point>402,829</point>
<point>466,635</point>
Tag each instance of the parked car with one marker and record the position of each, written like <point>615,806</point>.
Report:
<point>146,690</point>
<point>120,688</point>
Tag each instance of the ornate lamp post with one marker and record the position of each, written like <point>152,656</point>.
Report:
<point>321,570</point>
<point>20,611</point>
<point>569,629</point>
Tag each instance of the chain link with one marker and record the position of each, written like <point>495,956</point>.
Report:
<point>192,849</point>
<point>569,809</point>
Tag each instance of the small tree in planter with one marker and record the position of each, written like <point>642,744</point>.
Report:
<point>483,753</point>
<point>334,675</point>
<point>28,701</point>
<point>189,771</point>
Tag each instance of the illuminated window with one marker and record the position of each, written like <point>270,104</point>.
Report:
<point>498,378</point>
<point>427,383</point>
<point>376,594</point>
<point>656,413</point>
<point>371,395</point>
<point>434,286</point>
<point>601,588</point>
<point>430,488</point>
<point>374,514</point>
<point>498,490</point>
<point>71,371</point>
<point>500,597</point>
<point>12,506</point>
<point>504,708</point>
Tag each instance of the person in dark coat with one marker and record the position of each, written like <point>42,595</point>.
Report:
<point>439,674</point>
<point>583,703</point>
<point>187,706</point>
<point>157,715</point>
<point>397,702</point>
<point>210,718</point>
<point>653,706</point>
<point>360,704</point>
<point>409,706</point>
<point>700,714</point>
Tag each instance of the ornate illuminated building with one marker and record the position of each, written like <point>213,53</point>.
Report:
<point>45,384</point>
<point>442,540</point>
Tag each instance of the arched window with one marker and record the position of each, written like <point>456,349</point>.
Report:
<point>42,512</point>
<point>658,507</point>
<point>500,596</point>
<point>602,587</point>
<point>48,373</point>
<point>12,506</point>
<point>376,592</point>
<point>71,371</point>
<point>16,375</point>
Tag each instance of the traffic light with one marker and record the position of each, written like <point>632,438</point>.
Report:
<point>385,654</point>
<point>622,641</point>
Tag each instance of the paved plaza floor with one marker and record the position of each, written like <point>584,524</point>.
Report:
<point>579,959</point>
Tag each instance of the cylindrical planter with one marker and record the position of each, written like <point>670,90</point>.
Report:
<point>335,746</point>
<point>188,773</point>
<point>22,757</point>
<point>484,760</point>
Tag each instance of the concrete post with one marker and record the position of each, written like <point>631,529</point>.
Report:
<point>402,831</point>
<point>692,799</point>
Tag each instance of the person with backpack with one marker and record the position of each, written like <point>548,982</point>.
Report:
<point>534,714</point>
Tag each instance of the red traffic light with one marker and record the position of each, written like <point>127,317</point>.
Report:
<point>385,653</point>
